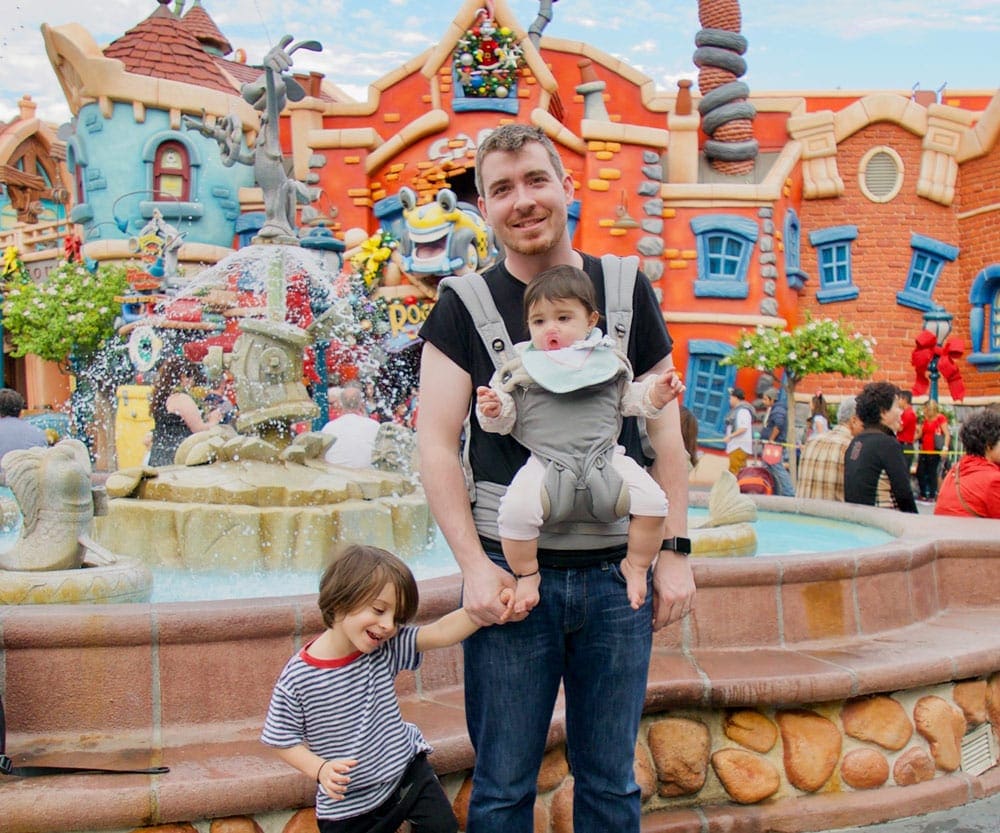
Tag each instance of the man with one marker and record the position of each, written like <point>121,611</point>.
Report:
<point>599,650</point>
<point>355,432</point>
<point>821,469</point>
<point>775,431</point>
<point>739,430</point>
<point>16,433</point>
<point>875,472</point>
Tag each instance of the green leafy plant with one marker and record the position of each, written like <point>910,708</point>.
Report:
<point>816,346</point>
<point>71,312</point>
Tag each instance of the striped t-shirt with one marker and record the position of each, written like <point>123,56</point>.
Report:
<point>347,708</point>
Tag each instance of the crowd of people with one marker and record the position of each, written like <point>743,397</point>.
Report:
<point>880,446</point>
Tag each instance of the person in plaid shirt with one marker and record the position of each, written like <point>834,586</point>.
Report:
<point>821,469</point>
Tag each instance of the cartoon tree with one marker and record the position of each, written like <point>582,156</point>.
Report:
<point>816,346</point>
<point>68,317</point>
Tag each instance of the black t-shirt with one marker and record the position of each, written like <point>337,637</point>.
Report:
<point>870,453</point>
<point>496,458</point>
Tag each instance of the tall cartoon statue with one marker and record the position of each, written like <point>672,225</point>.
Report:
<point>268,94</point>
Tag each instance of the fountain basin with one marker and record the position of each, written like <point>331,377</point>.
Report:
<point>128,580</point>
<point>265,516</point>
<point>187,685</point>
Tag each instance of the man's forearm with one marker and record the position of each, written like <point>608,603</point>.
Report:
<point>448,500</point>
<point>670,468</point>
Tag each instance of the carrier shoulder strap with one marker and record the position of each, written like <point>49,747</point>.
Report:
<point>7,764</point>
<point>471,288</point>
<point>619,287</point>
<point>475,295</point>
<point>620,274</point>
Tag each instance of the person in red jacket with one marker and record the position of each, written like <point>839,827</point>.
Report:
<point>972,487</point>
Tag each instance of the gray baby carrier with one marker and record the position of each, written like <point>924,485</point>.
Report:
<point>584,500</point>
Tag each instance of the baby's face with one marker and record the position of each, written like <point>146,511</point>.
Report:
<point>558,323</point>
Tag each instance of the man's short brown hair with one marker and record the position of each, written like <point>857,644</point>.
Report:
<point>510,138</point>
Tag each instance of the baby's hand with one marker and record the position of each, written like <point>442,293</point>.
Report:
<point>333,777</point>
<point>488,402</point>
<point>527,595</point>
<point>668,386</point>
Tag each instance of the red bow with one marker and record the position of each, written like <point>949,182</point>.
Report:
<point>71,247</point>
<point>926,350</point>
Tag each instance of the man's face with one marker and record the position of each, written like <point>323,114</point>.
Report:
<point>524,199</point>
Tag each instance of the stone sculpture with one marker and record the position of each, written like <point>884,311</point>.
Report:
<point>53,489</point>
<point>269,94</point>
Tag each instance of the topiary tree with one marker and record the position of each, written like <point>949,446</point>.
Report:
<point>71,312</point>
<point>816,346</point>
<point>69,318</point>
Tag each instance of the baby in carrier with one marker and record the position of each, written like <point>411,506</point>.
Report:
<point>564,398</point>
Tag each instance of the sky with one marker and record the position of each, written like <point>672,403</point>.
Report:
<point>793,44</point>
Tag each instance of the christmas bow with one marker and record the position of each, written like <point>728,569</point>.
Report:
<point>926,350</point>
<point>952,349</point>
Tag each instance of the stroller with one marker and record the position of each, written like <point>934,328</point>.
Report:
<point>755,479</point>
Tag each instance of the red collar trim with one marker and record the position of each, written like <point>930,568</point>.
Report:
<point>316,662</point>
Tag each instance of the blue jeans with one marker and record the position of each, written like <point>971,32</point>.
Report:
<point>584,634</point>
<point>782,479</point>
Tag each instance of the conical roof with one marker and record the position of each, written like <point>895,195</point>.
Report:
<point>162,46</point>
<point>200,24</point>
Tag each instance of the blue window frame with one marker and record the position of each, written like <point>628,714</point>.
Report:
<point>724,244</point>
<point>926,263</point>
<point>984,319</point>
<point>833,255</point>
<point>708,384</point>
<point>793,252</point>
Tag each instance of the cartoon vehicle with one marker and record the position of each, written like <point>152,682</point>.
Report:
<point>445,237</point>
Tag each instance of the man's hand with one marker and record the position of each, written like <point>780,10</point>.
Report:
<point>485,594</point>
<point>488,402</point>
<point>673,589</point>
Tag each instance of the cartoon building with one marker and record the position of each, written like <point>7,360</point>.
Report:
<point>746,209</point>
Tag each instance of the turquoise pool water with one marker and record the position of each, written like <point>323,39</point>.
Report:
<point>777,534</point>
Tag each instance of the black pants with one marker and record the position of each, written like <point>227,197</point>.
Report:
<point>927,474</point>
<point>419,799</point>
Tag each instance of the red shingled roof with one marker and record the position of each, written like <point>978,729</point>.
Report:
<point>200,24</point>
<point>162,46</point>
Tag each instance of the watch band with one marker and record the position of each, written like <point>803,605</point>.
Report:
<point>677,544</point>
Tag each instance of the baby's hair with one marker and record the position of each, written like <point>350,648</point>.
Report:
<point>558,284</point>
<point>357,575</point>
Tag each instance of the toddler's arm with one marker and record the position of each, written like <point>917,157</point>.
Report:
<point>648,397</point>
<point>495,410</point>
<point>453,627</point>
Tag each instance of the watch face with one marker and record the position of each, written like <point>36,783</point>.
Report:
<point>677,544</point>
